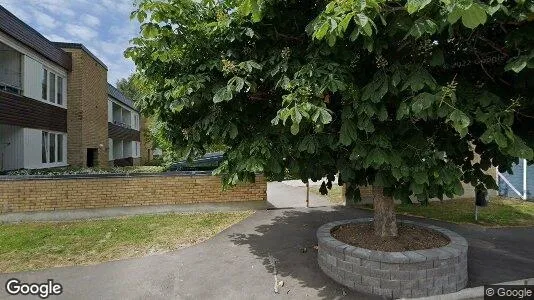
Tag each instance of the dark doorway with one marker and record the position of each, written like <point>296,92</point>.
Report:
<point>92,157</point>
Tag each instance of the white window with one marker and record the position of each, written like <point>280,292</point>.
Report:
<point>52,87</point>
<point>44,85</point>
<point>59,97</point>
<point>52,93</point>
<point>44,148</point>
<point>136,122</point>
<point>52,147</point>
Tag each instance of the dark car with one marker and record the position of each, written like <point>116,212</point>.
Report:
<point>208,162</point>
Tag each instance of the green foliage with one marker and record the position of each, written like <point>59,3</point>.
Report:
<point>396,94</point>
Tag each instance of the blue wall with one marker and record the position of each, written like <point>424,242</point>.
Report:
<point>516,179</point>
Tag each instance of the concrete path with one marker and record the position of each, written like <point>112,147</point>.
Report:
<point>236,263</point>
<point>112,212</point>
<point>289,195</point>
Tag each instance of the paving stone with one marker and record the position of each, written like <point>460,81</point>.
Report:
<point>380,273</point>
<point>368,264</point>
<point>382,292</point>
<point>331,260</point>
<point>401,293</point>
<point>389,266</point>
<point>401,274</point>
<point>390,284</point>
<point>419,274</point>
<point>371,281</point>
<point>409,284</point>
<point>419,293</point>
<point>347,266</point>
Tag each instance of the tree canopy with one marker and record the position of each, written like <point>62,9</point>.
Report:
<point>413,96</point>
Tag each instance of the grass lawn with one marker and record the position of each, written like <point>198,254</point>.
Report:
<point>499,212</point>
<point>31,246</point>
<point>334,194</point>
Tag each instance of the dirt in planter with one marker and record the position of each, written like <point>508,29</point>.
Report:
<point>409,238</point>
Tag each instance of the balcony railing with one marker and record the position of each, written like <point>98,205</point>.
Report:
<point>10,88</point>
<point>122,124</point>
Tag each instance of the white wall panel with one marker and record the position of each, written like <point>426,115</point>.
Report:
<point>11,147</point>
<point>33,150</point>
<point>32,78</point>
<point>110,111</point>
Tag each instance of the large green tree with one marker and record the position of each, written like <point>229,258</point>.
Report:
<point>399,95</point>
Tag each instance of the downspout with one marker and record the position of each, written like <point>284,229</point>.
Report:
<point>524,179</point>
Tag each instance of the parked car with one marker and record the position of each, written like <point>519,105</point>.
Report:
<point>208,162</point>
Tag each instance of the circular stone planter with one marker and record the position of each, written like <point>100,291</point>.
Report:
<point>394,274</point>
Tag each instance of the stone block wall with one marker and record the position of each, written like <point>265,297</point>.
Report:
<point>395,275</point>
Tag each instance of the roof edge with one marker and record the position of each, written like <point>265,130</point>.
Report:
<point>125,100</point>
<point>66,45</point>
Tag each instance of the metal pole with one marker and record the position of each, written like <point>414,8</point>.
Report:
<point>476,212</point>
<point>524,179</point>
<point>308,193</point>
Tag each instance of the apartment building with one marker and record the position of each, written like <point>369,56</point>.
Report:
<point>34,98</point>
<point>56,106</point>
<point>124,130</point>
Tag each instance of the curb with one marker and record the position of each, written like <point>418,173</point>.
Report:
<point>473,293</point>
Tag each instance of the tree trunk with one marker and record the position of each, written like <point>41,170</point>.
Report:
<point>384,217</point>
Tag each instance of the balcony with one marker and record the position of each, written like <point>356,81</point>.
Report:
<point>10,70</point>
<point>122,117</point>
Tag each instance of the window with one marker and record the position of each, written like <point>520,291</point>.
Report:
<point>59,147</point>
<point>52,87</point>
<point>52,154</point>
<point>44,89</point>
<point>52,147</point>
<point>136,122</point>
<point>59,90</point>
<point>44,148</point>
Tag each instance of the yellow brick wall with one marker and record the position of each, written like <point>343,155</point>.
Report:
<point>87,109</point>
<point>60,194</point>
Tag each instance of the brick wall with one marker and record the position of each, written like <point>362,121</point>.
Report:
<point>469,191</point>
<point>27,195</point>
<point>87,109</point>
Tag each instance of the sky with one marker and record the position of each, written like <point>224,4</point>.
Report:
<point>102,26</point>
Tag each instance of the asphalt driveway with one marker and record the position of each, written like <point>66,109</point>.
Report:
<point>239,263</point>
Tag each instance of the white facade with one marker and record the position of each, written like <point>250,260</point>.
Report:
<point>25,72</point>
<point>33,67</point>
<point>122,115</point>
<point>27,148</point>
<point>119,149</point>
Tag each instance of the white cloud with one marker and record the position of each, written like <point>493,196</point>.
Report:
<point>90,20</point>
<point>57,38</point>
<point>121,6</point>
<point>17,11</point>
<point>81,32</point>
<point>103,26</point>
<point>44,19</point>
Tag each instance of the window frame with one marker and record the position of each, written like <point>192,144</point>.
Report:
<point>44,84</point>
<point>47,148</point>
<point>52,86</point>
<point>59,90</point>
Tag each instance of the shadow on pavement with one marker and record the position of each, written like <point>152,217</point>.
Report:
<point>495,254</point>
<point>289,239</point>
